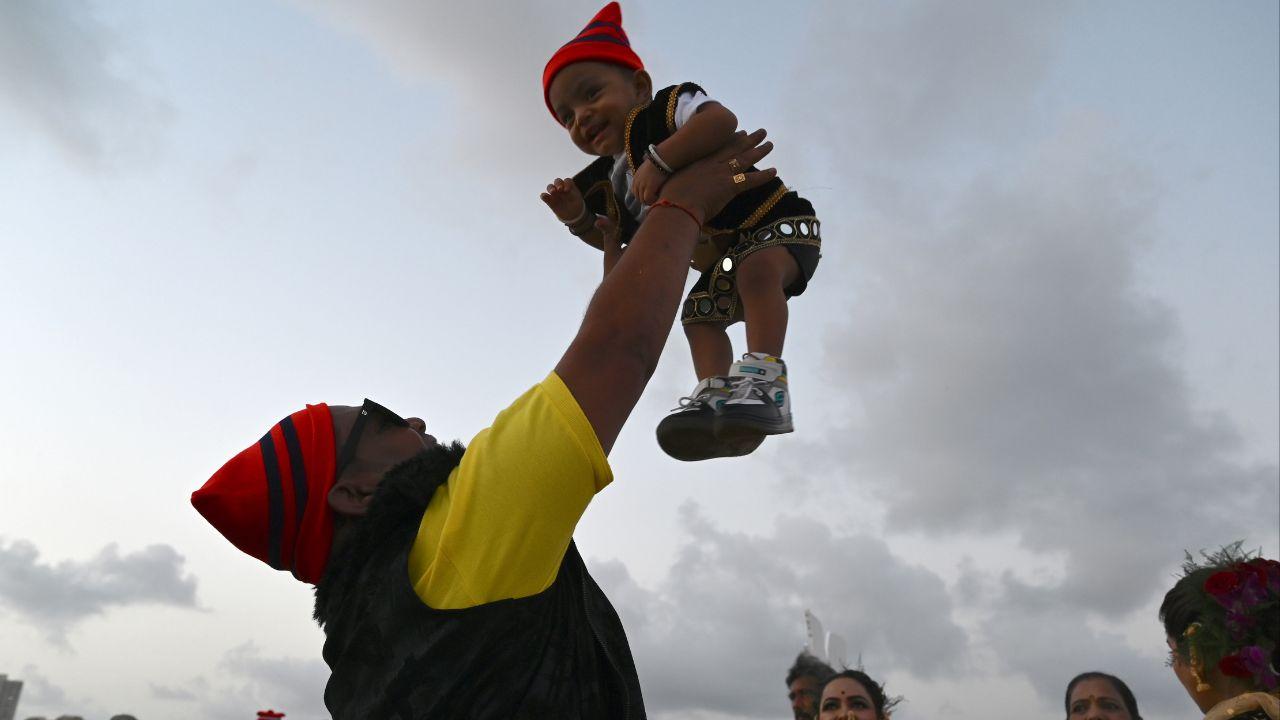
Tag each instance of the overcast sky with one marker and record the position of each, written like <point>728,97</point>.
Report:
<point>1039,359</point>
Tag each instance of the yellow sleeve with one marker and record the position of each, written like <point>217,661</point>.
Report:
<point>500,526</point>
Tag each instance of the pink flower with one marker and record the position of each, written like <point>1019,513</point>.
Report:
<point>1254,659</point>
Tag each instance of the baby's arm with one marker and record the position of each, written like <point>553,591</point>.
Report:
<point>565,200</point>
<point>711,126</point>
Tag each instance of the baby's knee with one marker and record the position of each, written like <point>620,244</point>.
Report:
<point>758,273</point>
<point>768,270</point>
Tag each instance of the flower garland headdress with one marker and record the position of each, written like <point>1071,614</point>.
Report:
<point>1237,622</point>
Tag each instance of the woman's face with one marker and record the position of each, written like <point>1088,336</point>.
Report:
<point>846,699</point>
<point>1096,699</point>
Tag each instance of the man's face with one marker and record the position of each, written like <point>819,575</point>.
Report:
<point>592,99</point>
<point>381,446</point>
<point>803,693</point>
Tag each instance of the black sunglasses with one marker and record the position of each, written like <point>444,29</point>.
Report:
<point>369,408</point>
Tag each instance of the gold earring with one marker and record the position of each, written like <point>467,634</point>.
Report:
<point>1196,665</point>
<point>1201,685</point>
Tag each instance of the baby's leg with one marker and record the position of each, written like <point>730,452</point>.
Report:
<point>761,402</point>
<point>763,277</point>
<point>709,344</point>
<point>688,432</point>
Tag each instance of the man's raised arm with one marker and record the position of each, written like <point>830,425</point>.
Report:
<point>616,350</point>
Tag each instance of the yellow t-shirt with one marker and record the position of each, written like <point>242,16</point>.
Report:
<point>500,526</point>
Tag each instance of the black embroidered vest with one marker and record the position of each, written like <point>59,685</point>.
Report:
<point>560,654</point>
<point>653,123</point>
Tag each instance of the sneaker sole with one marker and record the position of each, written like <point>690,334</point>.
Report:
<point>738,430</point>
<point>694,439</point>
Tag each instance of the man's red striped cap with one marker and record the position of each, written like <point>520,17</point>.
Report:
<point>272,499</point>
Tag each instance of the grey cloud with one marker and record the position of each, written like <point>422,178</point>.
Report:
<point>1011,375</point>
<point>920,75</point>
<point>719,632</point>
<point>1004,369</point>
<point>1035,634</point>
<point>66,74</point>
<point>246,678</point>
<point>164,692</point>
<point>293,685</point>
<point>39,694</point>
<point>56,597</point>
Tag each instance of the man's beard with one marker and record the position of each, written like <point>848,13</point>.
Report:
<point>399,483</point>
<point>394,515</point>
<point>807,714</point>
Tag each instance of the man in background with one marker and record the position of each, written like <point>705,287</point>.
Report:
<point>804,684</point>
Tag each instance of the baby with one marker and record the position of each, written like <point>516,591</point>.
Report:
<point>759,251</point>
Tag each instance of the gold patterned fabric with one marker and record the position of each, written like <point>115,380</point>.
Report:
<point>715,297</point>
<point>1249,705</point>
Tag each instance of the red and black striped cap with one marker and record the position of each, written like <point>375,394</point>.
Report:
<point>603,39</point>
<point>272,499</point>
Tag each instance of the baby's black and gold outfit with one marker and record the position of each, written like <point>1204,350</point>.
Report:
<point>759,218</point>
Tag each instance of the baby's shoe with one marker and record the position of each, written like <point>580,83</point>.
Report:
<point>759,403</point>
<point>689,432</point>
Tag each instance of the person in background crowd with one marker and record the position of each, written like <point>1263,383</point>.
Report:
<point>853,695</point>
<point>1099,696</point>
<point>1222,622</point>
<point>804,685</point>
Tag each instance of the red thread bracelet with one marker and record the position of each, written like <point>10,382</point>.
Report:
<point>667,203</point>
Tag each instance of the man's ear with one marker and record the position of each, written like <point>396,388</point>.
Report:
<point>345,499</point>
<point>643,84</point>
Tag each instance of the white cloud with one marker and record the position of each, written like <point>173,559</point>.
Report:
<point>486,58</point>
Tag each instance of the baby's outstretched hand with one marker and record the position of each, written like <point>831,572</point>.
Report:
<point>564,199</point>
<point>647,182</point>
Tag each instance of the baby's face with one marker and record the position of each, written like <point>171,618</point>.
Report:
<point>592,99</point>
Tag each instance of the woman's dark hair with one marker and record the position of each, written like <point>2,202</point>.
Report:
<point>1126,695</point>
<point>881,703</point>
<point>1224,614</point>
<point>1182,604</point>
